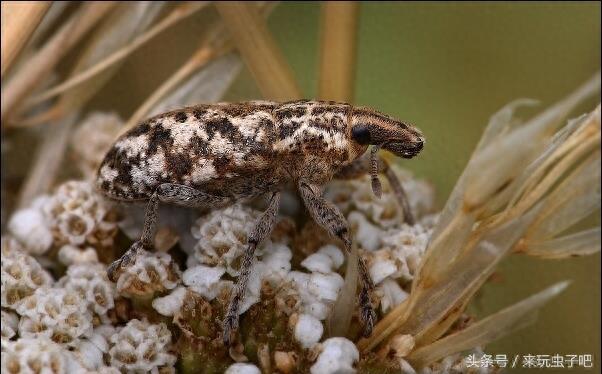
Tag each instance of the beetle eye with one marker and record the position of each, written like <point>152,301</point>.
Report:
<point>361,134</point>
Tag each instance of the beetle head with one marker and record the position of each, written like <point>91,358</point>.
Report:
<point>371,127</point>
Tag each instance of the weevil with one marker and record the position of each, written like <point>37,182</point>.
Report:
<point>210,156</point>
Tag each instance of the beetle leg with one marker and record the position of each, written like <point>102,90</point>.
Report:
<point>364,165</point>
<point>263,228</point>
<point>145,242</point>
<point>330,218</point>
<point>400,194</point>
<point>168,193</point>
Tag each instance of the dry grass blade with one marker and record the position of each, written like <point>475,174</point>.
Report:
<point>19,21</point>
<point>574,199</point>
<point>483,181</point>
<point>585,142</point>
<point>486,330</point>
<point>202,87</point>
<point>467,200</point>
<point>499,124</point>
<point>115,31</point>
<point>503,121</point>
<point>467,243</point>
<point>342,311</point>
<point>430,302</point>
<point>259,50</point>
<point>47,160</point>
<point>557,148</point>
<point>215,46</point>
<point>451,241</point>
<point>36,69</point>
<point>429,279</point>
<point>174,17</point>
<point>57,9</point>
<point>580,244</point>
<point>199,59</point>
<point>338,45</point>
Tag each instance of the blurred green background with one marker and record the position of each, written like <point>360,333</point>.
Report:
<point>447,67</point>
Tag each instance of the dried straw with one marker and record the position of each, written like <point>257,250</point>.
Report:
<point>259,50</point>
<point>48,159</point>
<point>19,21</point>
<point>37,68</point>
<point>202,87</point>
<point>338,46</point>
<point>216,45</point>
<point>487,330</point>
<point>509,194</point>
<point>115,31</point>
<point>178,14</point>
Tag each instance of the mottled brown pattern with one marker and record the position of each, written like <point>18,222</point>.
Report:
<point>227,146</point>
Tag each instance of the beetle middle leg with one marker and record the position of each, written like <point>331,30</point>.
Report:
<point>168,193</point>
<point>366,165</point>
<point>263,228</point>
<point>330,218</point>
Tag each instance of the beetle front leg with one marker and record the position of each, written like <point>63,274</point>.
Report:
<point>168,193</point>
<point>330,218</point>
<point>365,165</point>
<point>263,228</point>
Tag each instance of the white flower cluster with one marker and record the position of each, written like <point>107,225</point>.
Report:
<point>56,313</point>
<point>391,249</point>
<point>400,253</point>
<point>319,289</point>
<point>36,355</point>
<point>396,261</point>
<point>72,320</point>
<point>9,323</point>
<point>91,283</point>
<point>141,347</point>
<point>150,273</point>
<point>307,330</point>
<point>315,292</point>
<point>273,267</point>
<point>222,237</point>
<point>21,276</point>
<point>49,326</point>
<point>90,353</point>
<point>377,222</point>
<point>92,139</point>
<point>31,227</point>
<point>204,280</point>
<point>80,215</point>
<point>338,356</point>
<point>74,216</point>
<point>138,347</point>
